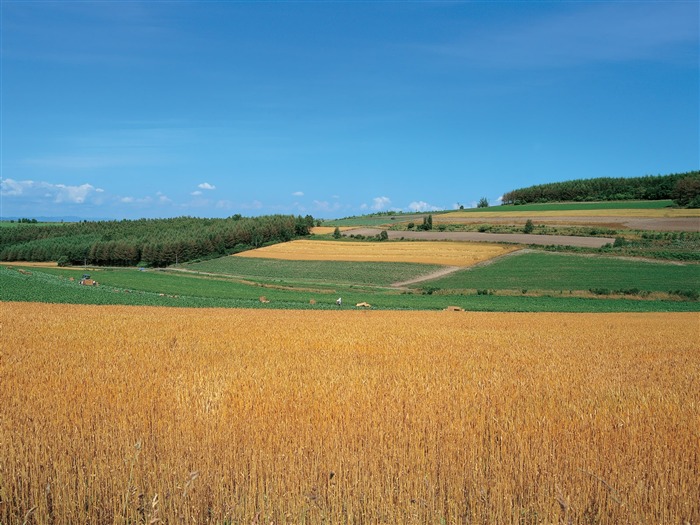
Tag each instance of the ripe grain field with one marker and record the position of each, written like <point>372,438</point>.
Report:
<point>135,414</point>
<point>436,253</point>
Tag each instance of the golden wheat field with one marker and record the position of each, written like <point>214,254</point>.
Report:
<point>446,253</point>
<point>153,415</point>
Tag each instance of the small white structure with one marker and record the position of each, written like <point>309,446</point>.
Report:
<point>339,301</point>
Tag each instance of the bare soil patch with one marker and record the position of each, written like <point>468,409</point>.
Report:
<point>513,238</point>
<point>686,224</point>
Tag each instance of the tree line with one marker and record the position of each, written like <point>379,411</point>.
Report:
<point>683,188</point>
<point>148,242</point>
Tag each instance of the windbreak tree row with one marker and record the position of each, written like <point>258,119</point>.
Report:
<point>681,187</point>
<point>150,242</point>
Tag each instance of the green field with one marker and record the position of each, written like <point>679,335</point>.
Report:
<point>384,219</point>
<point>43,286</point>
<point>571,206</point>
<point>315,273</point>
<point>554,272</point>
<point>534,281</point>
<point>380,220</point>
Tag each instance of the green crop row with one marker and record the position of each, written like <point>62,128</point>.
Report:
<point>186,291</point>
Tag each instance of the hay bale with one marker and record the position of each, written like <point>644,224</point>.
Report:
<point>363,305</point>
<point>454,309</point>
<point>264,299</point>
<point>312,301</point>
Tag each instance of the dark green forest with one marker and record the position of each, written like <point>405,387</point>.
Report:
<point>682,188</point>
<point>148,242</point>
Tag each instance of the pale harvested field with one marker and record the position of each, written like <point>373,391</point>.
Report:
<point>321,230</point>
<point>445,253</point>
<point>152,415</point>
<point>31,264</point>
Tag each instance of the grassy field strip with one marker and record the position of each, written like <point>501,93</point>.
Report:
<point>525,283</point>
<point>550,271</point>
<point>440,253</point>
<point>611,212</point>
<point>144,415</point>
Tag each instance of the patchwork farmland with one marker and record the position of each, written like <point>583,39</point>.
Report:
<point>260,400</point>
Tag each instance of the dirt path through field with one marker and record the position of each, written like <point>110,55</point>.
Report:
<point>451,269</point>
<point>429,276</point>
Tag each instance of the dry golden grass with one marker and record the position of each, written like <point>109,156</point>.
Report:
<point>31,263</point>
<point>631,213</point>
<point>320,230</point>
<point>130,415</point>
<point>445,253</point>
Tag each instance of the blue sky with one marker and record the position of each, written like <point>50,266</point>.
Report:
<point>158,109</point>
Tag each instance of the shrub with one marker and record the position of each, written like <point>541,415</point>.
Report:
<point>692,295</point>
<point>529,226</point>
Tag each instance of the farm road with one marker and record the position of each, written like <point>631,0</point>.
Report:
<point>518,238</point>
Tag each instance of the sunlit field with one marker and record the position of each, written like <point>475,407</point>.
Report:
<point>442,253</point>
<point>608,212</point>
<point>146,415</point>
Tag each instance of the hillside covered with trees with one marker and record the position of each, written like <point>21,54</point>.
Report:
<point>150,242</point>
<point>683,188</point>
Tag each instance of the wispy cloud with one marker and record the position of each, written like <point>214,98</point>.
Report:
<point>421,206</point>
<point>49,192</point>
<point>83,162</point>
<point>583,33</point>
<point>378,204</point>
<point>206,186</point>
<point>325,206</point>
<point>298,194</point>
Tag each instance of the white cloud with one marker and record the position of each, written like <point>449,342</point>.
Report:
<point>134,200</point>
<point>58,193</point>
<point>326,206</point>
<point>379,203</point>
<point>223,205</point>
<point>206,186</point>
<point>420,206</point>
<point>298,194</point>
<point>74,194</point>
<point>195,193</point>
<point>255,205</point>
<point>11,188</point>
